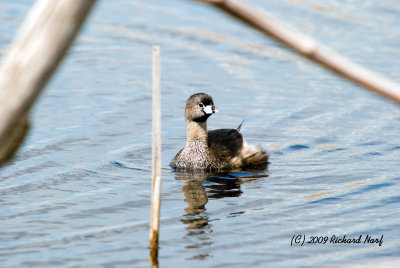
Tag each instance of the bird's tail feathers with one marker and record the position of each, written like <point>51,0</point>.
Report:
<point>254,157</point>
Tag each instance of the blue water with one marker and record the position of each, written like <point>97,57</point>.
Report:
<point>78,192</point>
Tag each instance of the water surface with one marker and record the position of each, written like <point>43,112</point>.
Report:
<point>78,192</point>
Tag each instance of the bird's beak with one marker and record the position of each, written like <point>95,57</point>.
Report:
<point>210,109</point>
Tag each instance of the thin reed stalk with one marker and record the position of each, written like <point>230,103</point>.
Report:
<point>156,152</point>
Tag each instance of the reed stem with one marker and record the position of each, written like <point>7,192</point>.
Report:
<point>156,154</point>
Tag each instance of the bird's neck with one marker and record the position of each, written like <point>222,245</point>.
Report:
<point>196,131</point>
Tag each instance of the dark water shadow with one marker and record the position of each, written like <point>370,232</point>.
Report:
<point>201,187</point>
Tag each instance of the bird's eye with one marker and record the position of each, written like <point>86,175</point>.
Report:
<point>201,104</point>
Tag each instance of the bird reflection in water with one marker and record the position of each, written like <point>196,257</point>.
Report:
<point>198,188</point>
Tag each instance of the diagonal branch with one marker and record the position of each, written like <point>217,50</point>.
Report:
<point>309,48</point>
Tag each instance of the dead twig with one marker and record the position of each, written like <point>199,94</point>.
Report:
<point>310,48</point>
<point>38,48</point>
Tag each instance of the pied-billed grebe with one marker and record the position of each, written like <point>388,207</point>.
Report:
<point>221,149</point>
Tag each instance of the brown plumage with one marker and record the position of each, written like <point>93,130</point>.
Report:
<point>221,149</point>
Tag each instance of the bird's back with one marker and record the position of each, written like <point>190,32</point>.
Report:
<point>225,143</point>
<point>232,152</point>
